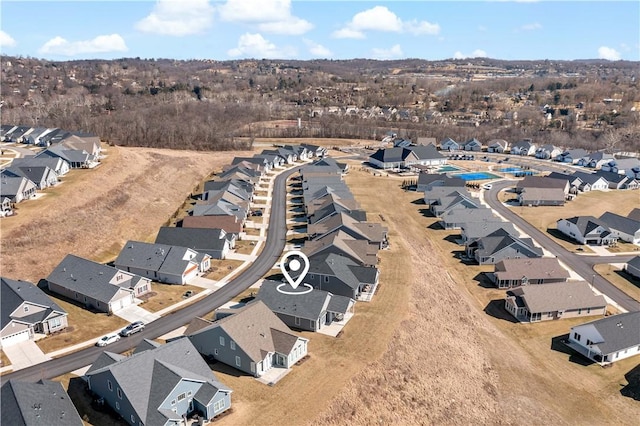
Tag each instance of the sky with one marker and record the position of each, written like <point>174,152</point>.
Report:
<point>286,29</point>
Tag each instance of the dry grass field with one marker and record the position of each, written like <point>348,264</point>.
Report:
<point>163,295</point>
<point>620,279</point>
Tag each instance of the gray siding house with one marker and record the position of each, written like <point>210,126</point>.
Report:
<point>214,242</point>
<point>310,311</point>
<point>342,276</point>
<point>252,339</point>
<point>159,384</point>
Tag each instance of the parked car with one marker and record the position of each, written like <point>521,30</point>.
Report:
<point>108,339</point>
<point>134,327</point>
<point>257,213</point>
<point>487,186</point>
<point>187,294</point>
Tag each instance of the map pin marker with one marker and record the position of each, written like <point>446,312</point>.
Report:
<point>295,265</point>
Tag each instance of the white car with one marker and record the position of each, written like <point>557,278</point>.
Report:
<point>108,339</point>
<point>487,186</point>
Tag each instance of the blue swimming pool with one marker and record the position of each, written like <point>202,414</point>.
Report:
<point>476,176</point>
<point>517,171</point>
<point>448,169</point>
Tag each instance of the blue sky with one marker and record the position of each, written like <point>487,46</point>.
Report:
<point>285,29</point>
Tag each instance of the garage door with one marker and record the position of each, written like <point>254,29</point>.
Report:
<point>23,336</point>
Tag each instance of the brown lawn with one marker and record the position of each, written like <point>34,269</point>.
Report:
<point>4,360</point>
<point>163,295</point>
<point>222,268</point>
<point>618,277</point>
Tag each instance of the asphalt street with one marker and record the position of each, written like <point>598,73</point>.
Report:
<point>581,264</point>
<point>274,246</point>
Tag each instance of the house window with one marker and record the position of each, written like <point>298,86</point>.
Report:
<point>297,320</point>
<point>232,345</point>
<point>109,385</point>
<point>326,278</point>
<point>26,308</point>
<point>117,405</point>
<point>576,336</point>
<point>221,341</point>
<point>238,361</point>
<point>182,396</point>
<point>588,310</point>
<point>55,323</point>
<point>119,393</point>
<point>133,419</point>
<point>215,352</point>
<point>218,405</point>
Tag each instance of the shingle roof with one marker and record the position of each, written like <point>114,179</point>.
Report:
<point>14,293</point>
<point>147,377</point>
<point>90,278</point>
<point>532,268</point>
<point>618,331</point>
<point>252,329</point>
<point>426,152</point>
<point>541,182</point>
<point>155,257</point>
<point>198,239</point>
<point>559,297</point>
<point>620,223</point>
<point>230,224</point>
<point>310,305</point>
<point>361,251</point>
<point>501,239</point>
<point>44,403</point>
<point>587,224</point>
<point>364,230</point>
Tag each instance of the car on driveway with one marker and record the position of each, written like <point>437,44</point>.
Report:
<point>108,339</point>
<point>187,294</point>
<point>487,186</point>
<point>134,327</point>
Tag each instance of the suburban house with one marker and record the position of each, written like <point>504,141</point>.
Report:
<point>571,156</point>
<point>425,155</point>
<point>617,181</point>
<point>389,158</point>
<point>595,160</point>
<point>609,339</point>
<point>370,231</point>
<point>159,384</point>
<point>311,311</point>
<point>59,166</point>
<point>543,182</point>
<point>332,204</point>
<point>252,339</point>
<point>229,224</point>
<point>586,230</point>
<point>472,231</point>
<point>427,181</point>
<point>523,147</point>
<point>591,182</point>
<point>548,152</point>
<point>44,402</point>
<point>533,197</point>
<point>501,245</point>
<point>622,227</point>
<point>214,242</point>
<point>473,145</point>
<point>161,262</point>
<point>554,301</point>
<point>16,188</point>
<point>624,166</point>
<point>302,152</point>
<point>241,172</point>
<point>443,199</point>
<point>362,252</point>
<point>314,150</point>
<point>27,310</point>
<point>456,218</point>
<point>342,276</point>
<point>398,157</point>
<point>77,159</point>
<point>574,181</point>
<point>42,176</point>
<point>497,145</point>
<point>449,144</point>
<point>525,271</point>
<point>633,267</point>
<point>6,208</point>
<point>100,287</point>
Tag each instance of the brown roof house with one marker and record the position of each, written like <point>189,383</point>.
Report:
<point>373,232</point>
<point>536,270</point>
<point>252,339</point>
<point>554,301</point>
<point>533,197</point>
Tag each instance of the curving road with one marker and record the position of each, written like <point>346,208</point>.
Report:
<point>582,265</point>
<point>274,245</point>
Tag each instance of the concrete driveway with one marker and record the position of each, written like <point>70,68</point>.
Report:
<point>133,313</point>
<point>24,354</point>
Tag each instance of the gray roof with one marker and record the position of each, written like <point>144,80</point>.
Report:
<point>361,251</point>
<point>147,377</point>
<point>501,239</point>
<point>10,186</point>
<point>155,257</point>
<point>618,331</point>
<point>343,268</point>
<point>620,223</point>
<point>390,155</point>
<point>311,305</point>
<point>44,403</point>
<point>541,182</point>
<point>457,216</point>
<point>569,295</point>
<point>256,330</point>
<point>370,231</point>
<point>478,229</point>
<point>544,195</point>
<point>533,268</point>
<point>440,180</point>
<point>635,262</point>
<point>14,293</point>
<point>198,239</point>
<point>587,224</point>
<point>589,178</point>
<point>90,278</point>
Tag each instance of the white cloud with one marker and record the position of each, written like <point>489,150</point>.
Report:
<point>6,40</point>
<point>608,53</point>
<point>395,52</point>
<point>317,50</point>
<point>478,53</point>
<point>271,16</point>
<point>380,18</point>
<point>256,46</point>
<point>100,44</point>
<point>178,18</point>
<point>531,27</point>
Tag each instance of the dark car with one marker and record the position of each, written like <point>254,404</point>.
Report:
<point>134,327</point>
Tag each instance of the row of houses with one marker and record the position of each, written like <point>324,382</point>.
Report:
<point>406,156</point>
<point>605,230</point>
<point>23,177</point>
